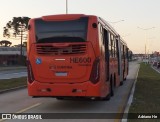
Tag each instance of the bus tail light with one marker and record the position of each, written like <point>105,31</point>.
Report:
<point>95,74</point>
<point>30,72</point>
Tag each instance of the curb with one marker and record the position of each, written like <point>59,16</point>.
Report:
<point>12,89</point>
<point>155,69</point>
<point>130,99</point>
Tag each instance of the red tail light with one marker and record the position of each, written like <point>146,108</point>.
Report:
<point>95,74</point>
<point>30,72</point>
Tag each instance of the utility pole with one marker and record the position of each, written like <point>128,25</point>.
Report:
<point>115,22</point>
<point>21,41</point>
<point>22,30</point>
<point>145,29</point>
<point>66,6</point>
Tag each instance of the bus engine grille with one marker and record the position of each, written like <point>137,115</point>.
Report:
<point>51,50</point>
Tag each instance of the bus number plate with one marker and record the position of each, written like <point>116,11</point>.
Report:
<point>61,74</point>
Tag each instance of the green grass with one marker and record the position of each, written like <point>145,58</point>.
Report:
<point>12,83</point>
<point>147,93</point>
<point>12,68</point>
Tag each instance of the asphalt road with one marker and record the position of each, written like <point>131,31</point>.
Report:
<point>19,102</point>
<point>13,73</point>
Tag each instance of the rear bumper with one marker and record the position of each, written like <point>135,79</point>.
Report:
<point>85,89</point>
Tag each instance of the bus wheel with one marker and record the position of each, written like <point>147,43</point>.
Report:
<point>108,97</point>
<point>112,88</point>
<point>121,83</point>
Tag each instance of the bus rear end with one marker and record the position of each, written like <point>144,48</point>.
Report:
<point>61,57</point>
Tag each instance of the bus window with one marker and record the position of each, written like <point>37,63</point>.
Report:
<point>106,40</point>
<point>61,31</point>
<point>111,45</point>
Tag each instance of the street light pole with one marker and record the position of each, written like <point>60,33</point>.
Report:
<point>115,22</point>
<point>145,29</point>
<point>66,6</point>
<point>126,35</point>
<point>150,44</point>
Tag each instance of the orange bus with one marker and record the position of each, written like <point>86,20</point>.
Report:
<point>74,55</point>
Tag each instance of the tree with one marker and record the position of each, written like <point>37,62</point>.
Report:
<point>16,28</point>
<point>5,43</point>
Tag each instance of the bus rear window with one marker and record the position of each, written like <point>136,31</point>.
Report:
<point>61,31</point>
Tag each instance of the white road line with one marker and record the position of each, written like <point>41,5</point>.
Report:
<point>155,69</point>
<point>23,110</point>
<point>30,107</point>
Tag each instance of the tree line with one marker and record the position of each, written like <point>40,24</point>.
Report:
<point>15,29</point>
<point>6,43</point>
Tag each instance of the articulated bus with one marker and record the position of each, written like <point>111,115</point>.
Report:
<point>74,55</point>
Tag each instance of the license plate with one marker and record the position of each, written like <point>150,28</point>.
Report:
<point>61,74</point>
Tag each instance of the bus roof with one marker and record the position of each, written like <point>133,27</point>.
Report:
<point>61,17</point>
<point>108,26</point>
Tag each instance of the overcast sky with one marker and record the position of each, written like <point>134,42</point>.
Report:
<point>135,13</point>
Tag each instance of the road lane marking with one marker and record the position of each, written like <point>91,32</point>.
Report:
<point>155,69</point>
<point>30,107</point>
<point>23,110</point>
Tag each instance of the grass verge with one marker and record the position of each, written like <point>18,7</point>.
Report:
<point>12,83</point>
<point>12,68</point>
<point>147,93</point>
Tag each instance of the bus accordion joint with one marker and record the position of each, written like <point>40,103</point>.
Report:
<point>94,77</point>
<point>30,72</point>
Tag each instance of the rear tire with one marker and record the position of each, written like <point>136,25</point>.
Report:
<point>107,98</point>
<point>112,88</point>
<point>121,83</point>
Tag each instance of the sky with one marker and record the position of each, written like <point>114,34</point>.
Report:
<point>141,25</point>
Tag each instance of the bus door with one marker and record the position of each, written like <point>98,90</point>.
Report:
<point>119,55</point>
<point>106,53</point>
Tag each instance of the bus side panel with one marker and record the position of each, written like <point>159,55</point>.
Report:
<point>95,35</point>
<point>31,36</point>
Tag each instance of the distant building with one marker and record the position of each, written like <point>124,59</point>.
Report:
<point>11,55</point>
<point>156,53</point>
